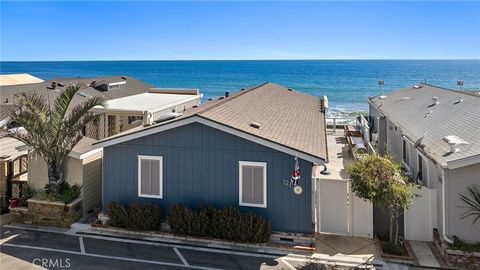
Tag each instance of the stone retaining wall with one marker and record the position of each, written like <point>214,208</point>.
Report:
<point>47,213</point>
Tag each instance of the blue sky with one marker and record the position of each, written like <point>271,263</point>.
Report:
<point>67,30</point>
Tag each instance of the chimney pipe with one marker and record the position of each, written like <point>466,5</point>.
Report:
<point>54,84</point>
<point>227,93</point>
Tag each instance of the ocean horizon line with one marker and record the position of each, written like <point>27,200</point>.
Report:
<point>239,60</point>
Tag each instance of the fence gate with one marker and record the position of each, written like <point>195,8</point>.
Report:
<point>419,218</point>
<point>339,211</point>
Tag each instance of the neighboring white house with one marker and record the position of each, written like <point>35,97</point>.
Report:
<point>435,134</point>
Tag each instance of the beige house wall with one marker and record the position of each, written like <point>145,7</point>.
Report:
<point>92,181</point>
<point>38,173</point>
<point>457,182</point>
<point>86,172</point>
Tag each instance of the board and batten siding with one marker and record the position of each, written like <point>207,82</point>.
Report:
<point>201,167</point>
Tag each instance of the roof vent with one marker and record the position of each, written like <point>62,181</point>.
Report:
<point>54,85</point>
<point>459,100</point>
<point>417,86</point>
<point>84,94</point>
<point>166,117</point>
<point>227,94</point>
<point>435,101</point>
<point>454,141</point>
<point>290,89</point>
<point>255,125</point>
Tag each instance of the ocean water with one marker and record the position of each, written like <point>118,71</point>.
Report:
<point>347,83</point>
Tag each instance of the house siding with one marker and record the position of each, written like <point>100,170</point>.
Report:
<point>457,182</point>
<point>92,182</point>
<point>200,167</point>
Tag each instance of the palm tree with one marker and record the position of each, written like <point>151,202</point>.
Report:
<point>51,130</point>
<point>472,201</point>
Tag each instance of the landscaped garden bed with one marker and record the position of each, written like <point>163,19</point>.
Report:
<point>459,253</point>
<point>401,252</point>
<point>225,227</point>
<point>44,208</point>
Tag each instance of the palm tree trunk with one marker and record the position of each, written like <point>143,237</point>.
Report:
<point>55,177</point>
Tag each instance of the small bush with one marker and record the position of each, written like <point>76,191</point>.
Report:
<point>459,244</point>
<point>138,217</point>
<point>67,193</point>
<point>144,217</point>
<point>118,216</point>
<point>227,223</point>
<point>27,193</point>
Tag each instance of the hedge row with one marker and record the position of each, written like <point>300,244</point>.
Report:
<point>227,223</point>
<point>136,216</point>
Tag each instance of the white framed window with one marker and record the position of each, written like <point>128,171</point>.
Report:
<point>422,169</point>
<point>150,176</point>
<point>253,184</point>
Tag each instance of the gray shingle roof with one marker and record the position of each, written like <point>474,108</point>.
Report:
<point>412,110</point>
<point>132,87</point>
<point>287,117</point>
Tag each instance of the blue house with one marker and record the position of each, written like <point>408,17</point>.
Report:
<point>238,150</point>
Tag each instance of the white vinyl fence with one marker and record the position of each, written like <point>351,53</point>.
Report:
<point>420,217</point>
<point>340,211</point>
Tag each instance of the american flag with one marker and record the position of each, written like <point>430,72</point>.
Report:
<point>295,172</point>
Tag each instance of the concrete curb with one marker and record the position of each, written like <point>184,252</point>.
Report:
<point>190,241</point>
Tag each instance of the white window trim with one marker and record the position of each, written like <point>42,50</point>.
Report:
<point>407,154</point>
<point>426,182</point>
<point>240,181</point>
<point>159,158</point>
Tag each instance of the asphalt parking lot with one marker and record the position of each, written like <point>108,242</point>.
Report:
<point>27,249</point>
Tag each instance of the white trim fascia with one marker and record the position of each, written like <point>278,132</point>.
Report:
<point>455,164</point>
<point>84,155</point>
<point>201,120</point>
<point>240,180</point>
<point>160,159</point>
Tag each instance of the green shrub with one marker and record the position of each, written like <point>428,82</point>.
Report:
<point>227,223</point>
<point>144,217</point>
<point>27,193</point>
<point>180,219</point>
<point>67,193</point>
<point>118,216</point>
<point>138,217</point>
<point>459,244</point>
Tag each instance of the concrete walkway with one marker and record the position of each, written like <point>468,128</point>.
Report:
<point>344,248</point>
<point>424,254</point>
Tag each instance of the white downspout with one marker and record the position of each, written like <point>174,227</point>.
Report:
<point>444,229</point>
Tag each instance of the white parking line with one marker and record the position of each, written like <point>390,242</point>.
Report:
<point>181,256</point>
<point>82,246</point>
<point>108,257</point>
<point>288,264</point>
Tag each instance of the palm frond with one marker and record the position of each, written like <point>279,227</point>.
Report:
<point>32,102</point>
<point>62,102</point>
<point>80,111</point>
<point>472,201</point>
